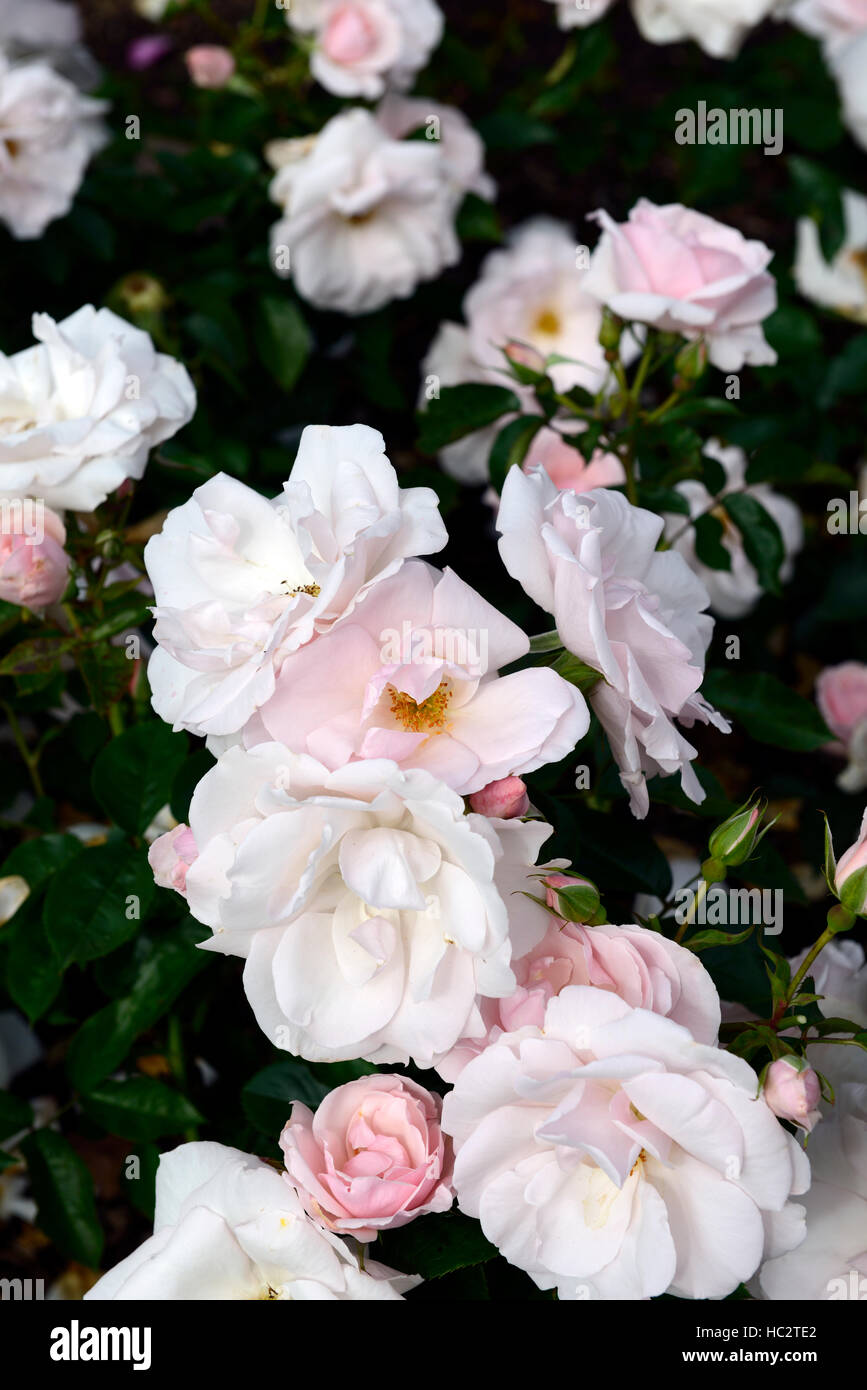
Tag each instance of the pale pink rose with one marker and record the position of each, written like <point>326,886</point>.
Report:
<point>360,46</point>
<point>685,273</point>
<point>209,65</point>
<point>641,966</point>
<point>411,675</point>
<point>612,1156</point>
<point>793,1092</point>
<point>625,609</point>
<point>718,26</point>
<point>567,467</point>
<point>841,694</point>
<point>506,798</point>
<point>34,567</point>
<point>171,855</point>
<point>372,1158</point>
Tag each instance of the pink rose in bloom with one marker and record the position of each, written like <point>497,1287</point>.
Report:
<point>34,567</point>
<point>171,855</point>
<point>841,694</point>
<point>362,46</point>
<point>567,467</point>
<point>505,798</point>
<point>209,65</point>
<point>793,1092</point>
<point>373,1157</point>
<point>685,273</point>
<point>641,966</point>
<point>411,675</point>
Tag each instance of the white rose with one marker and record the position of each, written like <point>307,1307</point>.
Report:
<point>832,21</point>
<point>370,909</point>
<point>612,1156</point>
<point>48,133</point>
<point>366,218</point>
<point>532,294</point>
<point>240,580</point>
<point>733,592</point>
<point>360,46</point>
<point>229,1227</point>
<point>462,148</point>
<point>832,1261</point>
<point>848,63</point>
<point>840,284</point>
<point>623,608</point>
<point>719,26</point>
<point>81,410</point>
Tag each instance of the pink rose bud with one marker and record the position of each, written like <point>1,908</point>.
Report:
<point>209,65</point>
<point>144,52</point>
<point>734,841</point>
<point>574,899</point>
<point>505,799</point>
<point>171,855</point>
<point>850,880</point>
<point>34,567</point>
<point>373,1157</point>
<point>525,355</point>
<point>793,1092</point>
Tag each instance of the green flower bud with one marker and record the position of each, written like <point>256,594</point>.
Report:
<point>734,841</point>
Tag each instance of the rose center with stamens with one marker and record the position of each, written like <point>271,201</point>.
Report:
<point>547,323</point>
<point>427,717</point>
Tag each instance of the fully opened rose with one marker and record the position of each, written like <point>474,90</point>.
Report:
<point>372,1158</point>
<point>228,1227</point>
<point>240,581</point>
<point>612,1156</point>
<point>370,910</point>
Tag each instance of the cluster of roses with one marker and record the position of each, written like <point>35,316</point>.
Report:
<point>607,1144</point>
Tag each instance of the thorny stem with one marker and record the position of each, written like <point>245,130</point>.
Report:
<point>31,760</point>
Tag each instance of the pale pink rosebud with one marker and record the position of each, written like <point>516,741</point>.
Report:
<point>504,799</point>
<point>793,1092</point>
<point>171,855</point>
<point>525,355</point>
<point>373,1157</point>
<point>850,878</point>
<point>209,65</point>
<point>34,567</point>
<point>841,694</point>
<point>350,36</point>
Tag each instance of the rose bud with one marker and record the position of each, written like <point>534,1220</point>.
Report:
<point>734,841</point>
<point>209,65</point>
<point>504,799</point>
<point>850,879</point>
<point>373,1156</point>
<point>793,1092</point>
<point>575,899</point>
<point>34,567</point>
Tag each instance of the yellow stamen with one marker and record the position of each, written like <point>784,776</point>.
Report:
<point>430,715</point>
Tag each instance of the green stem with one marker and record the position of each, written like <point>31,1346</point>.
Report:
<point>30,760</point>
<point>804,967</point>
<point>697,898</point>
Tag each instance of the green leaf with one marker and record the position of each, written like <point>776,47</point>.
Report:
<point>38,655</point>
<point>34,973</point>
<point>133,775</point>
<point>140,1108</point>
<point>267,1098</point>
<point>478,220</point>
<point>96,902</point>
<point>283,340</point>
<point>63,1189</point>
<point>821,199</point>
<point>511,445</point>
<point>102,1042</point>
<point>763,541</point>
<point>704,939</point>
<point>793,332</point>
<point>36,860</point>
<point>461,410</point>
<point>436,1245</point>
<point>847,373</point>
<point>15,1115</point>
<point>767,709</point>
<point>709,546</point>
